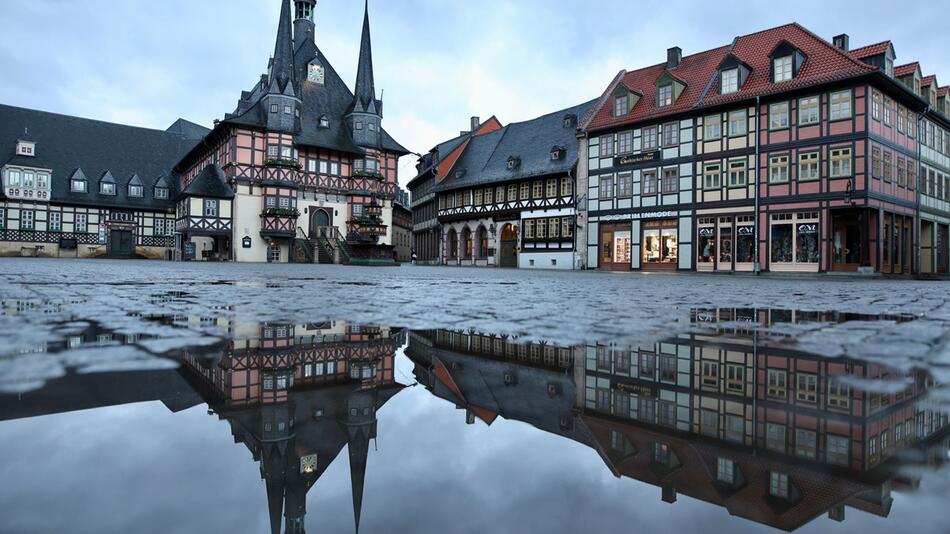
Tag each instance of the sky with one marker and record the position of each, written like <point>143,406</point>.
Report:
<point>437,62</point>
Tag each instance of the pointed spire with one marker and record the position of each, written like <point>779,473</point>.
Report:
<point>282,66</point>
<point>275,504</point>
<point>364,94</point>
<point>358,450</point>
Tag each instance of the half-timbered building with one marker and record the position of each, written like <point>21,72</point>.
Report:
<point>508,199</point>
<point>779,152</point>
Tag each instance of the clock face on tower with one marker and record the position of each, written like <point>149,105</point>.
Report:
<point>315,73</point>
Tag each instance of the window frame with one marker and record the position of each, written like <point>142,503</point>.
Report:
<point>671,134</point>
<point>732,75</point>
<point>813,159</point>
<point>654,188</point>
<point>779,67</point>
<point>839,157</point>
<point>707,167</point>
<point>775,162</point>
<point>743,116</point>
<point>651,133</point>
<point>715,122</point>
<point>745,172</point>
<point>848,103</point>
<point>667,101</point>
<point>773,115</point>
<point>816,107</point>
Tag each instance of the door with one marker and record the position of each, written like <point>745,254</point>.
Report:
<point>121,243</point>
<point>846,243</point>
<point>509,246</point>
<point>615,246</point>
<point>319,218</point>
<point>943,265</point>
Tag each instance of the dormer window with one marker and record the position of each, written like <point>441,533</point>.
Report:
<point>324,122</point>
<point>161,193</point>
<point>78,185</point>
<point>460,173</point>
<point>557,153</point>
<point>136,191</point>
<point>570,121</point>
<point>107,188</point>
<point>513,163</point>
<point>782,69</point>
<point>25,148</point>
<point>620,106</point>
<point>665,96</point>
<point>730,81</point>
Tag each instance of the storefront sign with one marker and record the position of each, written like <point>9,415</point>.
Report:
<point>707,232</point>
<point>246,242</point>
<point>644,157</point>
<point>746,230</point>
<point>189,253</point>
<point>808,228</point>
<point>639,389</point>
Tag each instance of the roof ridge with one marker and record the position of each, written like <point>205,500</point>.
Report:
<point>829,45</point>
<point>100,121</point>
<point>539,117</point>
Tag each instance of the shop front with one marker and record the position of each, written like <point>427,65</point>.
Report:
<point>660,244</point>
<point>794,242</point>
<point>725,243</point>
<point>616,241</point>
<point>849,244</point>
<point>896,244</point>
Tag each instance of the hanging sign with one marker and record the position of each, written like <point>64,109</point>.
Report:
<point>246,242</point>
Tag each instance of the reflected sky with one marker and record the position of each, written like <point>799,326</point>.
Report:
<point>432,462</point>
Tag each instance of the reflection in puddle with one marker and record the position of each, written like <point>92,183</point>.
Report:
<point>728,413</point>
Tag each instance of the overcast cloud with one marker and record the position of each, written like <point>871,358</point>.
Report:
<point>439,62</point>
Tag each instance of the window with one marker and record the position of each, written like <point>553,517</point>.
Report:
<point>567,188</point>
<point>55,221</point>
<point>885,440</point>
<point>876,105</point>
<point>478,197</point>
<point>888,168</point>
<point>649,138</point>
<point>13,178</point>
<point>806,387</point>
<point>808,166</point>
<point>730,81</point>
<point>288,110</point>
<point>77,185</point>
<point>529,229</point>
<point>778,116</point>
<point>725,470</point>
<point>712,128</point>
<point>107,188</point>
<point>606,187</point>
<point>550,189</point>
<point>709,424</point>
<point>841,106</point>
<point>888,105</point>
<point>805,444</point>
<point>778,169</point>
<point>735,378</point>
<point>808,111</point>
<point>623,185</point>
<point>710,373</point>
<point>28,179</point>
<point>775,437</point>
<point>27,218</point>
<point>836,449</point>
<point>738,123</point>
<point>647,364</point>
<point>778,384</point>
<point>876,166</point>
<point>671,134</point>
<point>735,428</point>
<point>136,191</point>
<point>737,173</point>
<point>782,69</point>
<point>840,162</point>
<point>667,368</point>
<point>324,122</point>
<point>567,227</point>
<point>620,106</point>
<point>839,394</point>
<point>273,108</point>
<point>712,176</point>
<point>778,485</point>
<point>42,181</point>
<point>901,173</point>
<point>900,119</point>
<point>273,151</point>
<point>607,145</point>
<point>3,220</point>
<point>661,453</point>
<point>671,181</point>
<point>624,142</point>
<point>80,225</point>
<point>525,191</point>
<point>161,193</point>
<point>537,188</point>
<point>872,446</point>
<point>649,183</point>
<point>211,208</point>
<point>666,96</point>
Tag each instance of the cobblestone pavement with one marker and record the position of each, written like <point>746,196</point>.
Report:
<point>567,307</point>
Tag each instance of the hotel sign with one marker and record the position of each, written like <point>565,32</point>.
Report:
<point>644,157</point>
<point>638,389</point>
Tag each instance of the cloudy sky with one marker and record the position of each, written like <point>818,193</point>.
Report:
<point>147,63</point>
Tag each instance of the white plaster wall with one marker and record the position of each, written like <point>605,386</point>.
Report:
<point>543,260</point>
<point>247,222</point>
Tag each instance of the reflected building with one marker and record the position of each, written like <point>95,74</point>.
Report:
<point>726,413</point>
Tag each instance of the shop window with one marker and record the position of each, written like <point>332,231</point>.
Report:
<point>794,239</point>
<point>777,384</point>
<point>707,240</point>
<point>775,437</point>
<point>661,243</point>
<point>778,116</point>
<point>806,388</point>
<point>712,175</point>
<point>712,128</point>
<point>738,174</point>
<point>738,123</point>
<point>840,162</point>
<point>745,239</point>
<point>649,138</point>
<point>778,169</point>
<point>808,166</point>
<point>808,111</point>
<point>648,183</point>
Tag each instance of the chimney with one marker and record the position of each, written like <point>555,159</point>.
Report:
<point>475,122</point>
<point>673,57</point>
<point>842,42</point>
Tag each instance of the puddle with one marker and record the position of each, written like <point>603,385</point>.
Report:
<point>738,420</point>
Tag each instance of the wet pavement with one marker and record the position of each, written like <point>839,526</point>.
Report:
<point>153,397</point>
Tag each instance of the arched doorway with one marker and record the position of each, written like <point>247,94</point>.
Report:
<point>482,243</point>
<point>319,218</point>
<point>467,240</point>
<point>509,246</point>
<point>453,244</point>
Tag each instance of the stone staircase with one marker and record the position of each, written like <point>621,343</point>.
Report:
<point>327,247</point>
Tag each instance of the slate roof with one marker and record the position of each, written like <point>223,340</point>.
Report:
<point>824,63</point>
<point>211,183</point>
<point>875,49</point>
<point>94,149</point>
<point>485,159</point>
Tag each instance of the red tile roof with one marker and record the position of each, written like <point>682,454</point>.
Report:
<point>906,70</point>
<point>926,81</point>
<point>824,63</point>
<point>942,91</point>
<point>875,49</point>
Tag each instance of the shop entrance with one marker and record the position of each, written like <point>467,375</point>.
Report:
<point>615,243</point>
<point>847,242</point>
<point>121,243</point>
<point>509,246</point>
<point>660,244</point>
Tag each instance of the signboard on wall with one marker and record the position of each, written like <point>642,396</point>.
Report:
<point>246,242</point>
<point>644,157</point>
<point>189,254</point>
